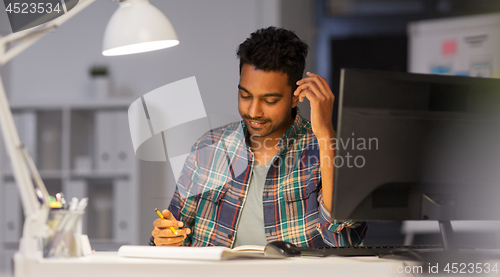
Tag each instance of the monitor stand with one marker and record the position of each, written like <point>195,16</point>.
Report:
<point>449,241</point>
<point>443,207</point>
<point>435,206</point>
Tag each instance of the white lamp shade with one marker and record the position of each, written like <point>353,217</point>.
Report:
<point>136,27</point>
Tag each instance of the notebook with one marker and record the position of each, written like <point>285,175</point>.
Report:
<point>212,253</point>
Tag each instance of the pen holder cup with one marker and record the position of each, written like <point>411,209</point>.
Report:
<point>65,236</point>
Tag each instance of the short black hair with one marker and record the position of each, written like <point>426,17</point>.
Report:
<point>275,49</point>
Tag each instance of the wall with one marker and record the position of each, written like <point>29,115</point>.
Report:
<point>209,32</point>
<point>56,67</point>
<point>298,16</point>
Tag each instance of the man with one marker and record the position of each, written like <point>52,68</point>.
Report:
<point>270,176</point>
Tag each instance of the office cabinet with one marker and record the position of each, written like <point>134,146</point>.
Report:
<point>82,149</point>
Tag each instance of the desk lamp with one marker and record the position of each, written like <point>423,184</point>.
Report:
<point>135,27</point>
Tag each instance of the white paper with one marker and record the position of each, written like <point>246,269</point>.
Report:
<point>183,253</point>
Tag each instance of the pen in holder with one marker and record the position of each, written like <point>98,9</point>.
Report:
<point>65,240</point>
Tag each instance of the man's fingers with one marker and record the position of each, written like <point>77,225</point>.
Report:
<point>166,232</point>
<point>166,244</point>
<point>163,234</point>
<point>167,214</point>
<point>309,95</point>
<point>302,91</point>
<point>321,81</point>
<point>327,90</point>
<point>170,245</point>
<point>167,223</point>
<point>175,241</point>
<point>316,85</point>
<point>309,90</point>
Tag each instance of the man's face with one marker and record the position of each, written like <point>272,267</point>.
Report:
<point>265,102</point>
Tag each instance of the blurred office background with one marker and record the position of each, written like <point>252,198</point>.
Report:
<point>53,75</point>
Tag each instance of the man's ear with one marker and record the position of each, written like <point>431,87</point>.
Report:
<point>295,100</point>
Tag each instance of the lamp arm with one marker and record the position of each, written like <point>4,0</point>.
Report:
<point>29,36</point>
<point>23,44</point>
<point>14,149</point>
<point>36,214</point>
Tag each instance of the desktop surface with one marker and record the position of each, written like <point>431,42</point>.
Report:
<point>111,264</point>
<point>107,264</point>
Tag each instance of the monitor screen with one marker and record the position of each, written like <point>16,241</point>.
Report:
<point>24,15</point>
<point>415,146</point>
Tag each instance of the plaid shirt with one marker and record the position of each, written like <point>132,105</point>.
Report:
<point>214,182</point>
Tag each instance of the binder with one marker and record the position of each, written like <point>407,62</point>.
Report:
<point>49,137</point>
<point>12,213</point>
<point>123,151</point>
<point>122,220</point>
<point>105,130</point>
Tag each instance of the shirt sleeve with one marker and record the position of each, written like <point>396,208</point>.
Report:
<point>339,233</point>
<point>184,202</point>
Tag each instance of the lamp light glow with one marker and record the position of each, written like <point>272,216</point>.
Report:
<point>137,27</point>
<point>140,47</point>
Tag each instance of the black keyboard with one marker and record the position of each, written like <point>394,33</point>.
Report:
<point>287,249</point>
<point>364,250</point>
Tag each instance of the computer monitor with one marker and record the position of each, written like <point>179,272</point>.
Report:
<point>415,147</point>
<point>24,15</point>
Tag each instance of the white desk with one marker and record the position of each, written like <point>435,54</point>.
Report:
<point>110,264</point>
<point>410,228</point>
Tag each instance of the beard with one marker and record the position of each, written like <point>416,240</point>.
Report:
<point>259,131</point>
<point>266,128</point>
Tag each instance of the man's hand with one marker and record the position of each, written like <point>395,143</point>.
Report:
<point>162,233</point>
<point>317,90</point>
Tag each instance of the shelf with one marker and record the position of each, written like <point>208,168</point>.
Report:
<point>83,149</point>
<point>99,175</point>
<point>56,174</point>
<point>84,104</point>
<point>45,174</point>
<point>51,174</point>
